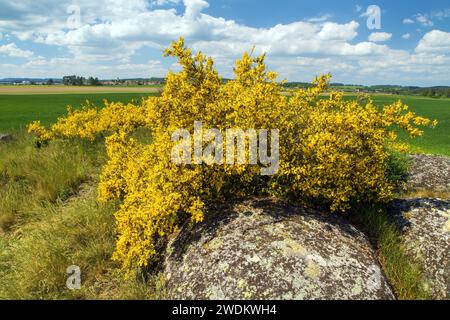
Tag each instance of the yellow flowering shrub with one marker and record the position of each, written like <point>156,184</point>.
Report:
<point>88,122</point>
<point>332,151</point>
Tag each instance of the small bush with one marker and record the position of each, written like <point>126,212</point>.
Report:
<point>333,152</point>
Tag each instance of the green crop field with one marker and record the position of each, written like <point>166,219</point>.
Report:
<point>18,110</point>
<point>434,141</point>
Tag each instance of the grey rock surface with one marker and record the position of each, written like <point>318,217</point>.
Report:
<point>425,224</point>
<point>428,172</point>
<point>268,249</point>
<point>5,137</point>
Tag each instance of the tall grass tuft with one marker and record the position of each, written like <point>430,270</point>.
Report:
<point>50,219</point>
<point>33,261</point>
<point>403,271</point>
<point>31,175</point>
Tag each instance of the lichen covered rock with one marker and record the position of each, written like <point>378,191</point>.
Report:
<point>267,249</point>
<point>429,173</point>
<point>425,224</point>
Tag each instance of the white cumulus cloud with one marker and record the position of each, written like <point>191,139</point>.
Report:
<point>380,36</point>
<point>114,32</point>
<point>12,50</point>
<point>435,41</point>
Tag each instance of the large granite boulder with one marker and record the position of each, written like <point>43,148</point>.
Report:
<point>425,224</point>
<point>430,176</point>
<point>267,249</point>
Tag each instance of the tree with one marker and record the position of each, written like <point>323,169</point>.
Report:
<point>73,81</point>
<point>93,81</point>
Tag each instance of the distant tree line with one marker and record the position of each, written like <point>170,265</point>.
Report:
<point>434,92</point>
<point>292,85</point>
<point>80,81</point>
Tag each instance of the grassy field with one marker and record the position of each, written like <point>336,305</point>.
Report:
<point>16,111</point>
<point>434,141</point>
<point>50,219</point>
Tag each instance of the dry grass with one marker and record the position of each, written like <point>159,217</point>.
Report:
<point>34,259</point>
<point>30,176</point>
<point>425,193</point>
<point>52,220</point>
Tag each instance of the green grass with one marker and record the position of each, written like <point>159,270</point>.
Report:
<point>434,141</point>
<point>50,219</point>
<point>403,272</point>
<point>29,175</point>
<point>48,231</point>
<point>16,111</point>
<point>33,261</point>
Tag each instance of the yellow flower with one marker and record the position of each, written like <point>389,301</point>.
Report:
<point>331,150</point>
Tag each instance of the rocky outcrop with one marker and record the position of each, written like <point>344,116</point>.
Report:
<point>429,174</point>
<point>425,224</point>
<point>5,138</point>
<point>267,249</point>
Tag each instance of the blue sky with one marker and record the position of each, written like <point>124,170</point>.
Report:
<point>124,38</point>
